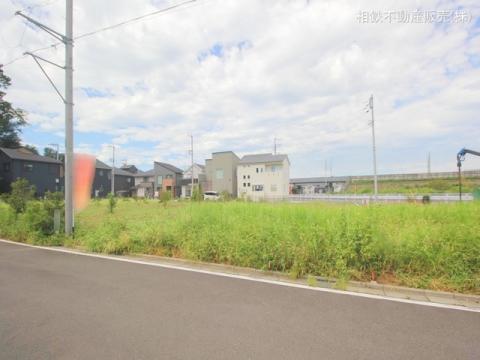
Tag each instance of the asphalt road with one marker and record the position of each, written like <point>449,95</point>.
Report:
<point>65,306</point>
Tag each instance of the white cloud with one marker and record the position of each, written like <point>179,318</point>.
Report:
<point>298,70</point>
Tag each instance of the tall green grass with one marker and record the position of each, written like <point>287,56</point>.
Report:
<point>433,246</point>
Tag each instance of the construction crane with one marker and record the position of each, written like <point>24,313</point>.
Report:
<point>461,157</point>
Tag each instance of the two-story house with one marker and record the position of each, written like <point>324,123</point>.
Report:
<point>43,172</point>
<point>263,177</point>
<point>221,172</point>
<point>199,179</point>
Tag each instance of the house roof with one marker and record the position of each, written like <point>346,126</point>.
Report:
<point>24,154</point>
<point>101,165</point>
<point>145,173</point>
<point>122,172</point>
<point>262,158</point>
<point>170,167</point>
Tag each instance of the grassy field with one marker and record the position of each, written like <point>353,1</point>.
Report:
<point>434,246</point>
<point>413,187</point>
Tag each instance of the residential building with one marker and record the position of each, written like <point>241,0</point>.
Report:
<point>199,177</point>
<point>145,183</point>
<point>167,178</point>
<point>263,177</point>
<point>221,172</point>
<point>43,172</point>
<point>102,181</point>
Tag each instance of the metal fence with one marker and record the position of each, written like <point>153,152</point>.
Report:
<point>384,198</point>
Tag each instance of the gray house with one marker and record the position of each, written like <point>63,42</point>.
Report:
<point>168,178</point>
<point>102,182</point>
<point>45,173</point>
<point>221,172</point>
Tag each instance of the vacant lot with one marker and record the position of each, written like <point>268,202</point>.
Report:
<point>433,246</point>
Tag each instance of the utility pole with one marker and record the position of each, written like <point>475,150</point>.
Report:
<point>274,146</point>
<point>113,169</point>
<point>67,40</point>
<point>191,169</point>
<point>429,168</point>
<point>375,183</point>
<point>58,149</point>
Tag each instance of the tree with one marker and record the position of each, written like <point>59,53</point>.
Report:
<point>11,120</point>
<point>53,153</point>
<point>31,148</point>
<point>22,192</point>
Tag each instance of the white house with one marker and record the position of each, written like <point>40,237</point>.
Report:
<point>263,177</point>
<point>198,178</point>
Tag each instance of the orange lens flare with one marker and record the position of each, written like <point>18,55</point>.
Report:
<point>83,173</point>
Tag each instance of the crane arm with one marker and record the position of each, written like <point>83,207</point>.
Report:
<point>461,155</point>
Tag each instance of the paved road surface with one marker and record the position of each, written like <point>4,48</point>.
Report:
<point>64,306</point>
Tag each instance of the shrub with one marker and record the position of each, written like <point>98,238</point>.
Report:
<point>112,202</point>
<point>20,195</point>
<point>225,196</point>
<point>165,197</point>
<point>197,194</point>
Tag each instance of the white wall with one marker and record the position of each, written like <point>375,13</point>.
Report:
<point>274,177</point>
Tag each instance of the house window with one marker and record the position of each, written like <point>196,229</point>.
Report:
<point>257,187</point>
<point>273,187</point>
<point>257,170</point>
<point>219,174</point>
<point>129,180</point>
<point>28,167</point>
<point>6,166</point>
<point>169,176</point>
<point>248,184</point>
<point>100,173</point>
<point>160,180</point>
<point>261,169</point>
<point>244,184</point>
<point>244,177</point>
<point>249,176</point>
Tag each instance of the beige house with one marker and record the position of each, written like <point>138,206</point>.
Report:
<point>221,172</point>
<point>263,177</point>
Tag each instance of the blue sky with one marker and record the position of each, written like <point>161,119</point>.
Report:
<point>237,74</point>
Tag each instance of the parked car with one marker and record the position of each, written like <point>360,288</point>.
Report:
<point>211,195</point>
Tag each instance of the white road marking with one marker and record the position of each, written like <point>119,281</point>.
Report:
<point>245,277</point>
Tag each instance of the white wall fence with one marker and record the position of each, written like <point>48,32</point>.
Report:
<point>384,198</point>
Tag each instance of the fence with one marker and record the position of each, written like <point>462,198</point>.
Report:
<point>365,199</point>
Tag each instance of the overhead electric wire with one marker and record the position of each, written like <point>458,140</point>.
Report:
<point>110,27</point>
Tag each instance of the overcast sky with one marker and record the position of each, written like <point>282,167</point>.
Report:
<point>236,74</point>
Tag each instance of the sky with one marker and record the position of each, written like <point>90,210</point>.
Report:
<point>237,74</point>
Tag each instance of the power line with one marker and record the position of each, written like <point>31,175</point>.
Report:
<point>110,27</point>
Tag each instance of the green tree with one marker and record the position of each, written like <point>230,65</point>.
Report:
<point>52,153</point>
<point>31,148</point>
<point>11,120</point>
<point>112,202</point>
<point>22,192</point>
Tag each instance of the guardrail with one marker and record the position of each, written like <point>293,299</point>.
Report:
<point>388,198</point>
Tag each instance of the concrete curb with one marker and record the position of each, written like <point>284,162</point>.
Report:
<point>372,288</point>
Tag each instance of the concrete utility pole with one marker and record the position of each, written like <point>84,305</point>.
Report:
<point>66,39</point>
<point>58,149</point>
<point>113,169</point>
<point>274,146</point>
<point>69,218</point>
<point>375,183</point>
<point>429,167</point>
<point>191,169</point>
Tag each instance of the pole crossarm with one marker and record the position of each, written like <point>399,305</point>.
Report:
<point>43,59</point>
<point>46,75</point>
<point>45,28</point>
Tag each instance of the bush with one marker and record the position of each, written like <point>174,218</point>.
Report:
<point>165,197</point>
<point>20,195</point>
<point>225,196</point>
<point>112,202</point>
<point>197,193</point>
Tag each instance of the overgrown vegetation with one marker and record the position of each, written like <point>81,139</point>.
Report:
<point>434,246</point>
